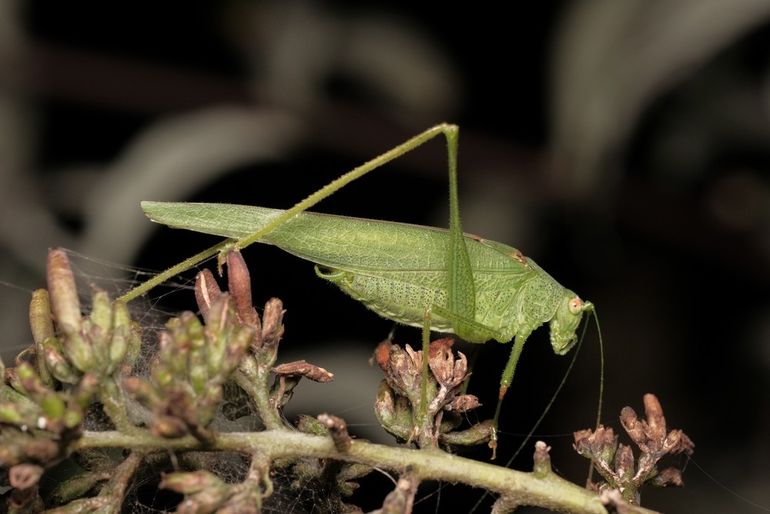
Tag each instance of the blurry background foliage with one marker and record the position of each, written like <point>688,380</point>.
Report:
<point>623,145</point>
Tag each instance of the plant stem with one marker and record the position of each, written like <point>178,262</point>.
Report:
<point>545,490</point>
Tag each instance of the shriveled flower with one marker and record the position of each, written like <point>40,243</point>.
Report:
<point>615,462</point>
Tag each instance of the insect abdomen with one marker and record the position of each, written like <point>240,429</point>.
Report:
<point>393,297</point>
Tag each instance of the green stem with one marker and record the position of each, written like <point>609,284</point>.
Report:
<point>548,491</point>
<point>256,385</point>
<point>114,402</point>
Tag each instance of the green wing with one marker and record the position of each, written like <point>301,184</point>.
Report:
<point>396,269</point>
<point>338,242</point>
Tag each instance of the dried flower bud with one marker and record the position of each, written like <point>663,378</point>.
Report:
<point>64,294</point>
<point>190,482</point>
<point>669,477</point>
<point>24,476</point>
<point>449,372</point>
<point>463,403</point>
<point>272,323</point>
<point>169,427</point>
<point>401,499</point>
<point>206,292</point>
<point>239,285</point>
<point>542,460</point>
<point>338,429</point>
<point>302,368</point>
<point>655,419</point>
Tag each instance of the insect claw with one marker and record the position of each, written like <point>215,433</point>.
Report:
<point>493,443</point>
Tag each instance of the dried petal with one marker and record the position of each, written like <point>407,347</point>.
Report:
<point>449,372</point>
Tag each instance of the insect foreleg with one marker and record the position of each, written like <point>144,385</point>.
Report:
<point>505,382</point>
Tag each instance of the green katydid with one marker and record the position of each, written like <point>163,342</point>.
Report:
<point>437,279</point>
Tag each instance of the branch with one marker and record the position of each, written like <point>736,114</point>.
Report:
<point>544,489</point>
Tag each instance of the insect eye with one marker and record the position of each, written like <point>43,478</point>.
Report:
<point>575,305</point>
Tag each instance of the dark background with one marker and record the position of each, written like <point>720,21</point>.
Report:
<point>623,145</point>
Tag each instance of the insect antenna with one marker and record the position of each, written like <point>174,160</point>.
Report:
<point>601,382</point>
<point>547,408</point>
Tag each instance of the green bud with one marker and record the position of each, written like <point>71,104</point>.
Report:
<point>190,482</point>
<point>29,380</point>
<point>11,413</point>
<point>142,391</point>
<point>53,406</point>
<point>41,326</point>
<point>77,486</point>
<point>311,425</point>
<point>99,330</point>
<point>237,346</point>
<point>55,362</point>
<point>122,335</point>
<point>219,327</point>
<point>393,413</point>
<point>162,377</point>
<point>79,351</point>
<point>73,417</point>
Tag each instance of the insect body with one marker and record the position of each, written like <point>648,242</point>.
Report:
<point>438,279</point>
<point>398,270</point>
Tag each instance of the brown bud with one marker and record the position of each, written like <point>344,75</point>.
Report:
<point>239,285</point>
<point>338,430</point>
<point>542,459</point>
<point>24,476</point>
<point>449,372</point>
<point>64,294</point>
<point>206,292</point>
<point>304,369</point>
<point>463,403</point>
<point>655,419</point>
<point>669,477</point>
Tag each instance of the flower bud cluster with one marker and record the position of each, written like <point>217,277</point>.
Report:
<point>399,406</point>
<point>615,461</point>
<point>189,371</point>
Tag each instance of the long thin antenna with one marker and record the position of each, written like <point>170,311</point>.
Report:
<point>601,389</point>
<point>542,414</point>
